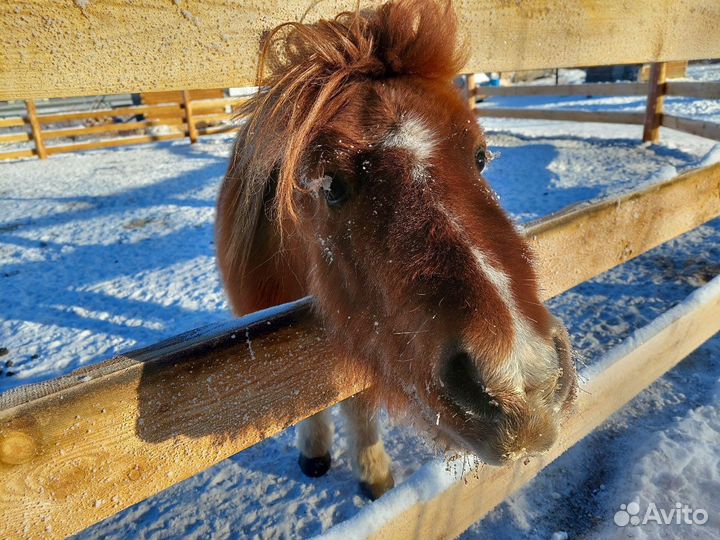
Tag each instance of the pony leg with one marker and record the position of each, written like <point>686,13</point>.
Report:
<point>371,463</point>
<point>314,439</point>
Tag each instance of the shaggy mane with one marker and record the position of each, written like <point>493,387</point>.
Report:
<point>310,69</point>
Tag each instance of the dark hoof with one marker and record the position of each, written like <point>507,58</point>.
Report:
<point>314,466</point>
<point>376,490</point>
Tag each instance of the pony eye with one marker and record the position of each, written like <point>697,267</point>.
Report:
<point>336,188</point>
<point>481,159</point>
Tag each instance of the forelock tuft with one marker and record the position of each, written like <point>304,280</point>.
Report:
<point>305,75</point>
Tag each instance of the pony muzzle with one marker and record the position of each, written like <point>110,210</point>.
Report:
<point>504,425</point>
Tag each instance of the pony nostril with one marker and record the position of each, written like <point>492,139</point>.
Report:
<point>464,387</point>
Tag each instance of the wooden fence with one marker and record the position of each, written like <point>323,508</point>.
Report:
<point>81,448</point>
<point>192,114</point>
<point>163,116</point>
<point>652,119</point>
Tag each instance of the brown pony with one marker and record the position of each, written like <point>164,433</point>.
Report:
<point>356,178</point>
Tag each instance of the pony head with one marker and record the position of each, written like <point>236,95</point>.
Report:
<point>357,178</point>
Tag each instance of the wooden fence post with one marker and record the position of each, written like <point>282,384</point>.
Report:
<point>470,89</point>
<point>36,129</point>
<point>187,104</point>
<point>655,99</point>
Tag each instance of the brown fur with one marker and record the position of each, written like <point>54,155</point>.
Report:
<point>394,271</point>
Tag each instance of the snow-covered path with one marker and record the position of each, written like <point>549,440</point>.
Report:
<point>113,249</point>
<point>105,251</point>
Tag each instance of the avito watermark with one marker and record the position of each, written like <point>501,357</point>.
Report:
<point>680,514</point>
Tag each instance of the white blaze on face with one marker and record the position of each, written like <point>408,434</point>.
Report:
<point>531,359</point>
<point>413,136</point>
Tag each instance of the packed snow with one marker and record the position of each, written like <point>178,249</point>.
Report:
<point>113,249</point>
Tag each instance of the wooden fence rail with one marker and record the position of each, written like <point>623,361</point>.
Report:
<point>62,133</point>
<point>151,418</point>
<point>172,110</point>
<point>190,118</point>
<point>695,89</point>
<point>709,130</point>
<point>212,38</point>
<point>653,117</point>
<point>590,89</point>
<point>18,154</point>
<point>568,115</point>
<point>112,143</point>
<point>700,90</point>
<point>15,121</point>
<point>15,137</point>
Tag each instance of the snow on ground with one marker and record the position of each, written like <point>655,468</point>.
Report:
<point>107,250</point>
<point>101,252</point>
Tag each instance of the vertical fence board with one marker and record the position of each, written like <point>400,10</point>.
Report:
<point>470,89</point>
<point>36,129</point>
<point>187,105</point>
<point>655,100</point>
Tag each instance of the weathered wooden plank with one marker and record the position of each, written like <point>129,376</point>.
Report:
<point>585,240</point>
<point>149,419</point>
<point>111,143</point>
<point>566,115</point>
<point>222,128</point>
<point>13,121</point>
<point>591,89</point>
<point>111,128</point>
<point>213,104</point>
<point>701,90</point>
<point>170,110</point>
<point>655,101</point>
<point>673,70</point>
<point>88,445</point>
<point>15,154</point>
<point>189,120</point>
<point>622,375</point>
<point>154,98</point>
<point>218,40</point>
<point>36,129</point>
<point>213,118</point>
<point>709,130</point>
<point>6,138</point>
